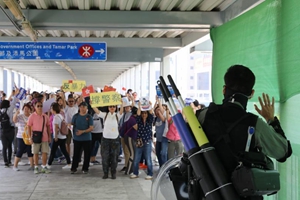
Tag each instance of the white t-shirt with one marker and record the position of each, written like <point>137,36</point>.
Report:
<point>57,119</point>
<point>70,112</point>
<point>111,125</point>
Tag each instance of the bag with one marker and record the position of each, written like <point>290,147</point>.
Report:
<point>38,135</point>
<point>139,142</point>
<point>5,121</point>
<point>64,129</point>
<point>254,181</point>
<point>25,136</point>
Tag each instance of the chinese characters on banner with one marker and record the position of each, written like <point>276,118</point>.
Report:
<point>87,91</point>
<point>73,85</point>
<point>105,99</point>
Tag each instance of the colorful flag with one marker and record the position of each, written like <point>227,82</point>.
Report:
<point>109,89</point>
<point>87,91</point>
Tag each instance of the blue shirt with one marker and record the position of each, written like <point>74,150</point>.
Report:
<point>159,129</point>
<point>145,129</point>
<point>82,123</point>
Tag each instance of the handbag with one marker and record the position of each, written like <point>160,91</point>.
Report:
<point>139,142</point>
<point>25,134</point>
<point>37,135</point>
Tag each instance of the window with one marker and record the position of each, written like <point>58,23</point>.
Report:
<point>203,81</point>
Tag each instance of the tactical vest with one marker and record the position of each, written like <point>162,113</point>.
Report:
<point>226,127</point>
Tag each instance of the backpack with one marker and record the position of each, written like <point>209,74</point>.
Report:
<point>64,129</point>
<point>5,121</point>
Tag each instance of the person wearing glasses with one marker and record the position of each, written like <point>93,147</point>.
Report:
<point>35,123</point>
<point>110,144</point>
<point>70,110</point>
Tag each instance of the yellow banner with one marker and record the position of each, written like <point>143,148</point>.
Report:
<point>105,99</point>
<point>73,85</point>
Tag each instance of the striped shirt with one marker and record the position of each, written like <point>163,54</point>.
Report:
<point>21,124</point>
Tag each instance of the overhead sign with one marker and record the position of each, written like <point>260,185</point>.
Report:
<point>53,51</point>
<point>105,99</point>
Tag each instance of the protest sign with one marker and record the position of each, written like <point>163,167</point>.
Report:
<point>159,94</point>
<point>105,99</point>
<point>73,85</point>
<point>145,104</point>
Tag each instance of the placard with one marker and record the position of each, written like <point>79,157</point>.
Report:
<point>105,99</point>
<point>73,85</point>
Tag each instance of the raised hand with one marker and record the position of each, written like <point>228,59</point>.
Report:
<point>267,107</point>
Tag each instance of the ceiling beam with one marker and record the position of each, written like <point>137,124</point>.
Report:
<point>111,42</point>
<point>101,20</point>
<point>238,8</point>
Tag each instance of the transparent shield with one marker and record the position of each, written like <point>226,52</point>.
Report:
<point>162,187</point>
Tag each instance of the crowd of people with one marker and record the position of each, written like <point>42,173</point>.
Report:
<point>138,132</point>
<point>124,129</point>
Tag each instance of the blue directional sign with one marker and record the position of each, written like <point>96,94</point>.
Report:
<point>53,51</point>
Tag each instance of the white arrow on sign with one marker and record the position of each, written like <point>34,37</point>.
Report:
<point>101,51</point>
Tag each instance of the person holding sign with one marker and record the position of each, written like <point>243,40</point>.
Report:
<point>144,141</point>
<point>110,144</point>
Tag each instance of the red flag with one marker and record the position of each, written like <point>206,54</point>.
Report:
<point>109,89</point>
<point>87,91</point>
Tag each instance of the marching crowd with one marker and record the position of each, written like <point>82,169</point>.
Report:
<point>128,128</point>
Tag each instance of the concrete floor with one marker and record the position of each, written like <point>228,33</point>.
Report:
<point>61,185</point>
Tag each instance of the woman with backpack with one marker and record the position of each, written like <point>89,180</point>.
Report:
<point>7,129</point>
<point>21,121</point>
<point>58,138</point>
<point>110,144</point>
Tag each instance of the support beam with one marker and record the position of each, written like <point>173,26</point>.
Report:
<point>238,8</point>
<point>121,20</point>
<point>111,42</point>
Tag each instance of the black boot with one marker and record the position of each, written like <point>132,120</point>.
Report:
<point>105,176</point>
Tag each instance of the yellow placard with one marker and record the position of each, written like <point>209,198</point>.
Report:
<point>105,99</point>
<point>73,85</point>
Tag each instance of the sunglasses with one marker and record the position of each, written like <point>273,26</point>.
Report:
<point>39,106</point>
<point>111,106</point>
<point>70,101</point>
